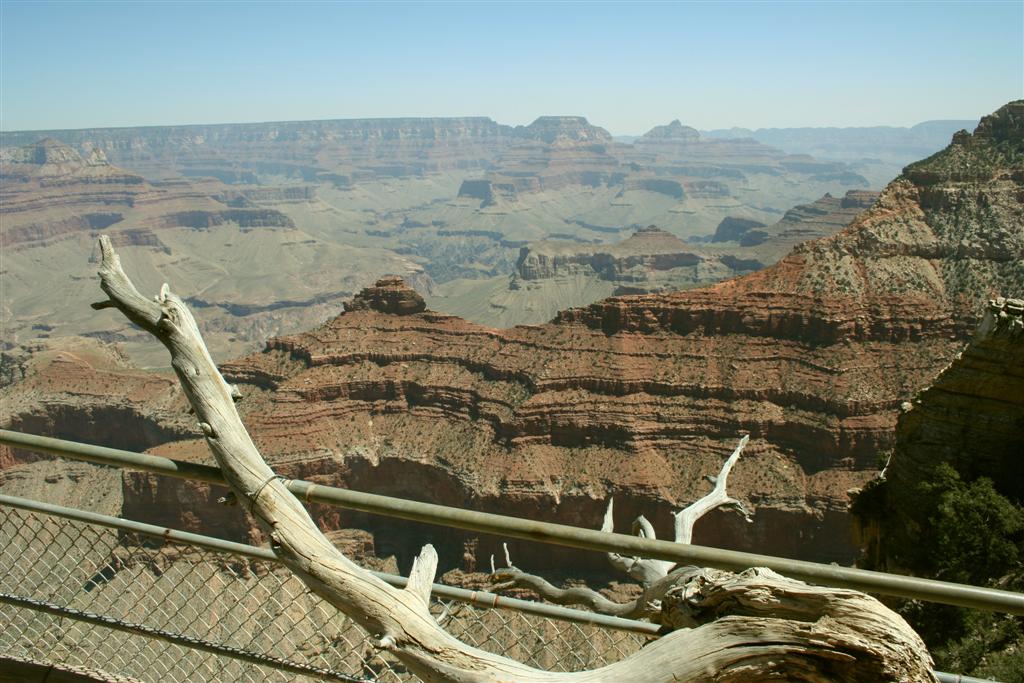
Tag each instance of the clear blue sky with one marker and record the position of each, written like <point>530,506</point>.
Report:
<point>625,67</point>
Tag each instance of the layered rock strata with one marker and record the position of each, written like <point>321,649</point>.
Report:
<point>388,295</point>
<point>972,415</point>
<point>53,202</point>
<point>340,151</point>
<point>84,390</point>
<point>968,423</point>
<point>649,260</point>
<point>652,260</point>
<point>821,218</point>
<point>648,248</point>
<point>673,160</point>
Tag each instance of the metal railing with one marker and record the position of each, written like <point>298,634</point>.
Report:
<point>476,598</point>
<point>512,527</point>
<point>182,607</point>
<point>140,600</point>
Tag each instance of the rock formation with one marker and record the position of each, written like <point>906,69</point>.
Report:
<point>650,260</point>
<point>673,160</point>
<point>647,249</point>
<point>82,389</point>
<point>822,218</point>
<point>53,200</point>
<point>769,243</point>
<point>48,190</point>
<point>674,130</point>
<point>565,129</point>
<point>970,417</point>
<point>577,272</point>
<point>733,229</point>
<point>389,295</point>
<point>342,151</point>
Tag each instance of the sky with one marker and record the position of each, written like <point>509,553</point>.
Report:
<point>626,67</point>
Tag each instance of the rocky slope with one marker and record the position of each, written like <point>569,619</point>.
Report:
<point>82,389</point>
<point>649,260</point>
<point>970,417</point>
<point>255,273</point>
<point>821,218</point>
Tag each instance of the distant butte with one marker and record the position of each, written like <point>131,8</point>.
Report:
<point>389,295</point>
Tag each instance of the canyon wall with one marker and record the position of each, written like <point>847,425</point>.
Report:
<point>639,397</point>
<point>965,427</point>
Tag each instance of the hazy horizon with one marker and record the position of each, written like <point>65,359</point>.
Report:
<point>627,68</point>
<point>455,116</point>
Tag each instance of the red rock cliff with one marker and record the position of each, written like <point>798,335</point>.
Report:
<point>640,396</point>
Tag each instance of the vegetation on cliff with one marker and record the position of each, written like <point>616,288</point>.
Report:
<point>949,503</point>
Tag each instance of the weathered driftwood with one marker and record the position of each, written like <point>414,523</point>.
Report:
<point>874,644</point>
<point>652,574</point>
<point>688,516</point>
<point>648,571</point>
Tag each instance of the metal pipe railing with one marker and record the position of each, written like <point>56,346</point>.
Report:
<point>476,598</point>
<point>545,532</point>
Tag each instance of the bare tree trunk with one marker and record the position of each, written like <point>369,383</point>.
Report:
<point>872,643</point>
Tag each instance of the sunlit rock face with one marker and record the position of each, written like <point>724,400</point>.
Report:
<point>388,295</point>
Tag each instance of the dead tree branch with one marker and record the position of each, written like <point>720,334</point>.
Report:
<point>649,573</point>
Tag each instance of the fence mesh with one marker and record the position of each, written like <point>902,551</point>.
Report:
<point>256,607</point>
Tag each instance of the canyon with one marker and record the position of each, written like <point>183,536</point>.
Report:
<point>635,397</point>
<point>255,271</point>
<point>274,225</point>
<point>551,275</point>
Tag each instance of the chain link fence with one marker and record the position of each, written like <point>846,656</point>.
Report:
<point>180,604</point>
